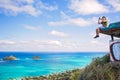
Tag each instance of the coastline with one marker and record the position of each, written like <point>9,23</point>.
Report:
<point>48,64</point>
<point>99,69</point>
<point>91,71</point>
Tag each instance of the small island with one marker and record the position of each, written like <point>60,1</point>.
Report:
<point>36,57</point>
<point>9,58</point>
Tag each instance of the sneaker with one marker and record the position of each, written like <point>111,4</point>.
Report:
<point>96,36</point>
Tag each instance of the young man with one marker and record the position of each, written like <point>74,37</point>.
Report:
<point>104,23</point>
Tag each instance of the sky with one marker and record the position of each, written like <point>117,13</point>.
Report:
<point>55,25</point>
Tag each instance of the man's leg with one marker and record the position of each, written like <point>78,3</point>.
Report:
<point>97,32</point>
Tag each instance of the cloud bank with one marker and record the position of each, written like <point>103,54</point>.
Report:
<point>86,7</point>
<point>31,7</point>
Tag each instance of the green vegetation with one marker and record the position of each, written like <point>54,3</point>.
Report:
<point>99,69</point>
<point>68,75</point>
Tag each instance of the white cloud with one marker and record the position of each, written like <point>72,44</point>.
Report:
<point>31,45</point>
<point>74,21</point>
<point>28,1</point>
<point>64,16</point>
<point>115,4</point>
<point>32,42</point>
<point>99,45</point>
<point>13,7</point>
<point>47,42</point>
<point>41,5</point>
<point>57,23</point>
<point>31,27</point>
<point>51,45</point>
<point>7,42</point>
<point>86,7</point>
<point>58,33</point>
<point>71,45</point>
<point>38,45</point>
<point>95,42</point>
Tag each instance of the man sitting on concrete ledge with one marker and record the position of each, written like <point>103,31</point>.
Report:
<point>104,23</point>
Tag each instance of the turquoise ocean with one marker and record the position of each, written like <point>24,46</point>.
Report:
<point>49,63</point>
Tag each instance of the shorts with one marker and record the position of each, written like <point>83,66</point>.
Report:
<point>102,27</point>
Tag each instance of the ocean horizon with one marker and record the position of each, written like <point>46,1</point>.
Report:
<point>49,63</point>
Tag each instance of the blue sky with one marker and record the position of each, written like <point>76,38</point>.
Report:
<point>55,25</point>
